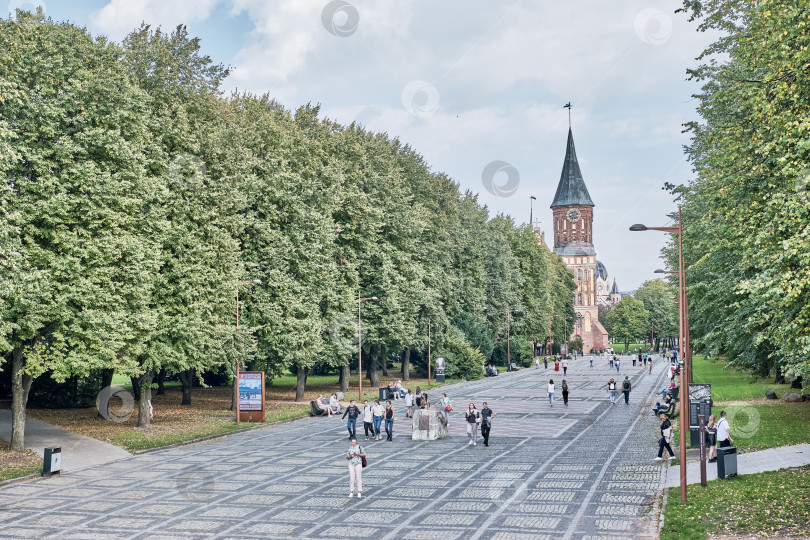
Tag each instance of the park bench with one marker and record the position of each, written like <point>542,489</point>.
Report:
<point>317,411</point>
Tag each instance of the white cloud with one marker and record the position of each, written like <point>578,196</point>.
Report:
<point>120,17</point>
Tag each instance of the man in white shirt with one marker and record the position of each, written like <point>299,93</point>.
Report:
<point>723,432</point>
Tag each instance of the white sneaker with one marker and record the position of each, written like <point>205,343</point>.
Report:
<point>656,459</point>
<point>475,443</point>
<point>352,494</point>
<point>469,443</point>
<point>672,457</point>
<point>359,495</point>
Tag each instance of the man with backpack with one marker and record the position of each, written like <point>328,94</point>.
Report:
<point>626,390</point>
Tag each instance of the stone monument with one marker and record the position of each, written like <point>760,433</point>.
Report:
<point>428,425</point>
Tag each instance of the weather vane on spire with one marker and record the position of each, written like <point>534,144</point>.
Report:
<point>568,106</point>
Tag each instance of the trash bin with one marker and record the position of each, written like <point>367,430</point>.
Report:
<point>52,461</point>
<point>726,462</point>
<point>383,393</point>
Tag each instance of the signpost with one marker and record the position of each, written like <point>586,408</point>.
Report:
<point>250,405</point>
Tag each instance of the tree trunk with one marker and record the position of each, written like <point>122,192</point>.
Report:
<point>20,385</point>
<point>136,388</point>
<point>145,399</point>
<point>107,377</point>
<point>301,384</point>
<point>780,377</point>
<point>345,376</point>
<point>371,370</point>
<point>186,381</point>
<point>384,362</point>
<point>406,364</point>
<point>161,379</point>
<point>796,383</point>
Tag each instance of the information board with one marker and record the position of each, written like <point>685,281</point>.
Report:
<point>251,394</point>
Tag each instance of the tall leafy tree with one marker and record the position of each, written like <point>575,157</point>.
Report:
<point>628,321</point>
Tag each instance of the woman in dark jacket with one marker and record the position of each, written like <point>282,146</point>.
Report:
<point>666,436</point>
<point>565,392</point>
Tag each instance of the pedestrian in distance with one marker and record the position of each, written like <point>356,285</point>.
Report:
<point>334,403</point>
<point>351,424</point>
<point>378,411</point>
<point>564,387</point>
<point>610,359</point>
<point>617,364</point>
<point>418,396</point>
<point>545,361</point>
<point>368,417</point>
<point>389,420</point>
<point>472,417</point>
<point>611,388</point>
<point>556,364</point>
<point>565,366</point>
<point>626,390</point>
<point>711,438</point>
<point>446,408</point>
<point>536,362</point>
<point>486,422</point>
<point>666,438</point>
<point>649,364</point>
<point>355,455</point>
<point>550,389</point>
<point>591,359</point>
<point>724,439</point>
<point>409,404</point>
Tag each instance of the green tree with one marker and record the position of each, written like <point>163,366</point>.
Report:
<point>74,183</point>
<point>628,321</point>
<point>658,297</point>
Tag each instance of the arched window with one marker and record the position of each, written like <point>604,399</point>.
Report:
<point>579,298</point>
<point>579,273</point>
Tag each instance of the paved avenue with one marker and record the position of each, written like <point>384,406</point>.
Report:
<point>584,471</point>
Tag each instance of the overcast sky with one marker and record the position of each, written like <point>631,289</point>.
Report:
<point>470,82</point>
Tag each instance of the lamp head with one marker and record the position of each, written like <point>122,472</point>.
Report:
<point>638,227</point>
<point>373,297</point>
<point>659,271</point>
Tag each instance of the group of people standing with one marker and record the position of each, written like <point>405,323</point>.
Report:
<point>373,416</point>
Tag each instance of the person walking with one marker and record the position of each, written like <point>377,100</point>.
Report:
<point>378,411</point>
<point>556,364</point>
<point>545,361</point>
<point>617,364</point>
<point>355,456</point>
<point>367,419</point>
<point>472,424</point>
<point>536,362</point>
<point>564,386</point>
<point>666,437</point>
<point>409,404</point>
<point>611,388</point>
<point>649,364</point>
<point>550,389</point>
<point>711,438</point>
<point>446,408</point>
<point>418,396</point>
<point>626,390</point>
<point>486,422</point>
<point>610,359</point>
<point>724,439</point>
<point>352,412</point>
<point>565,366</point>
<point>389,420</point>
<point>591,359</point>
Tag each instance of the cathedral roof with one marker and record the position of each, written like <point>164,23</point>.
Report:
<point>601,271</point>
<point>571,189</point>
<point>615,288</point>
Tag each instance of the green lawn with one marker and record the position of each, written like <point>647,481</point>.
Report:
<point>619,347</point>
<point>731,385</point>
<point>772,504</point>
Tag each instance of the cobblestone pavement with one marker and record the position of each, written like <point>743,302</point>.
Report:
<point>582,471</point>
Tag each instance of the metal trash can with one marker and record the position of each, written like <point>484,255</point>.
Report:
<point>726,462</point>
<point>383,393</point>
<point>52,461</point>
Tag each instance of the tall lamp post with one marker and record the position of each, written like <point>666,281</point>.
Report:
<point>236,395</point>
<point>684,331</point>
<point>360,344</point>
<point>684,305</point>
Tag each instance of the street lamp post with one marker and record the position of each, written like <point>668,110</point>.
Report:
<point>684,331</point>
<point>360,344</point>
<point>236,395</point>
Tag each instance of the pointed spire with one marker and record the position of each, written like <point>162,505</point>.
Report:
<point>615,288</point>
<point>571,189</point>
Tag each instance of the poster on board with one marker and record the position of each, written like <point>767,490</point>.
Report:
<point>250,390</point>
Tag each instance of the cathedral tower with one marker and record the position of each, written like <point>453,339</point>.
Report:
<point>573,241</point>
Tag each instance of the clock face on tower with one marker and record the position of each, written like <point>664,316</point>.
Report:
<point>573,215</point>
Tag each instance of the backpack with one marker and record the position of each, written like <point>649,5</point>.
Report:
<point>612,386</point>
<point>626,385</point>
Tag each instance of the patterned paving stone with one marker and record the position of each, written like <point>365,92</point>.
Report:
<point>561,472</point>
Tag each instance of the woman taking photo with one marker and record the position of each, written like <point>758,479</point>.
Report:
<point>355,456</point>
<point>446,408</point>
<point>472,417</point>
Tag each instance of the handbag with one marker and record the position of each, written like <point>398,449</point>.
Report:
<point>363,460</point>
<point>668,435</point>
<point>449,408</point>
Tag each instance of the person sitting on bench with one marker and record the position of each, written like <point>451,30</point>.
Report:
<point>326,409</point>
<point>665,406</point>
